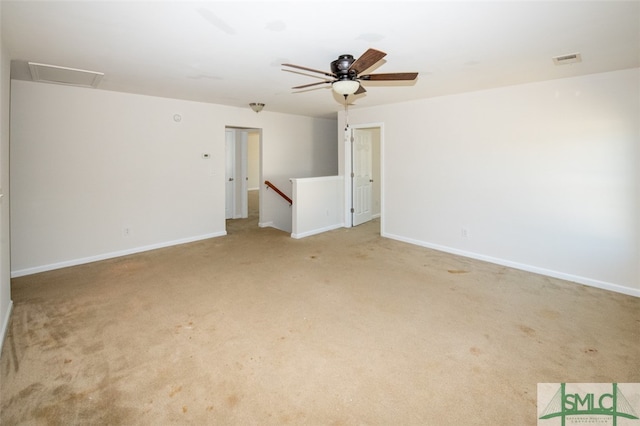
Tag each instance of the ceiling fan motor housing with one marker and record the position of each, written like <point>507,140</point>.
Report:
<point>340,67</point>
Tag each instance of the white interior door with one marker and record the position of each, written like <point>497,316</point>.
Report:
<point>236,174</point>
<point>362,182</point>
<point>242,176</point>
<point>230,172</point>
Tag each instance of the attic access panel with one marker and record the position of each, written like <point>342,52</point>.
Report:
<point>64,75</point>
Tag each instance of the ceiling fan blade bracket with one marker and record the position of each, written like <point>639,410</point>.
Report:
<point>312,84</point>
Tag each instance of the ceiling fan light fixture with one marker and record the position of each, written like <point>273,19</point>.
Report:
<point>345,87</point>
<point>257,107</point>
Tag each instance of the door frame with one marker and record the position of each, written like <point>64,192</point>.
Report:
<point>230,173</point>
<point>348,165</point>
<point>244,160</point>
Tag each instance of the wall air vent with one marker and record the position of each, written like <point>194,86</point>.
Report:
<point>571,58</point>
<point>64,75</point>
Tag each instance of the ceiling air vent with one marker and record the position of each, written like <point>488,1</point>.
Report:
<point>64,75</point>
<point>571,58</point>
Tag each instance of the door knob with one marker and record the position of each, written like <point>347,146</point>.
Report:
<point>230,179</point>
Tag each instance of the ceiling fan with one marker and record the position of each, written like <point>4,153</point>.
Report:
<point>345,73</point>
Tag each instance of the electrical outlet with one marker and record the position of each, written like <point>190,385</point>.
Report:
<point>465,233</point>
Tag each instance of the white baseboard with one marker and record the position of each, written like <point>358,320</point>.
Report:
<point>104,256</point>
<point>265,224</point>
<point>534,269</point>
<point>5,325</point>
<point>317,231</point>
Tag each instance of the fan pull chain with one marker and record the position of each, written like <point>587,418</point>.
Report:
<point>346,113</point>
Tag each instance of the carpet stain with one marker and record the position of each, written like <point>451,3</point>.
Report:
<point>549,314</point>
<point>62,390</point>
<point>29,390</point>
<point>232,400</point>
<point>457,271</point>
<point>184,408</point>
<point>96,347</point>
<point>49,413</point>
<point>475,351</point>
<point>590,351</point>
<point>175,390</point>
<point>527,330</point>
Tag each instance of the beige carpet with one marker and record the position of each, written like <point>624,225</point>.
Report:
<point>342,328</point>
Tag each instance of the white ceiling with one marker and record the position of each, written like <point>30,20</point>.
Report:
<point>231,53</point>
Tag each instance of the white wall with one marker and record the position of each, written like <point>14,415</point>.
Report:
<point>544,176</point>
<point>302,147</point>
<point>5,256</point>
<point>318,205</point>
<point>86,164</point>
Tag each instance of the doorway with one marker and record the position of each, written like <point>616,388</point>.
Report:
<point>366,193</point>
<point>242,173</point>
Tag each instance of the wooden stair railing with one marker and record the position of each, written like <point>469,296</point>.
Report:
<point>282,194</point>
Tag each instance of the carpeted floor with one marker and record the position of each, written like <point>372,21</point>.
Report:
<point>342,328</point>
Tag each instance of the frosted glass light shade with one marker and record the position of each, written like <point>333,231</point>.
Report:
<point>345,87</point>
<point>257,107</point>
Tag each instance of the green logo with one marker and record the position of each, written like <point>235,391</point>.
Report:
<point>586,403</point>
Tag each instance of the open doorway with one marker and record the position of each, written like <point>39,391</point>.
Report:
<point>242,175</point>
<point>366,179</point>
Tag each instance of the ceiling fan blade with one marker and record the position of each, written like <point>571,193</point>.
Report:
<point>312,84</point>
<point>310,69</point>
<point>367,60</point>
<point>394,76</point>
<point>361,89</point>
